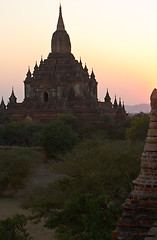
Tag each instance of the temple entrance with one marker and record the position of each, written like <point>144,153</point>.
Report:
<point>46,97</point>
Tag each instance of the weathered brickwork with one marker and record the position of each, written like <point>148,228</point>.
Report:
<point>140,210</point>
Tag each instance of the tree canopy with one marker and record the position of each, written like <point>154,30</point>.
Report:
<point>58,138</point>
<point>138,129</point>
<point>85,203</point>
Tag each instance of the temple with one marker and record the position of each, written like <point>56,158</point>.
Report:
<point>61,85</point>
<point>139,219</point>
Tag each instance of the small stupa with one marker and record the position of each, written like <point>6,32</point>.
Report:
<point>139,217</point>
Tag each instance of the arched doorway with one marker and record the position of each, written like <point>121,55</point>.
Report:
<point>46,97</point>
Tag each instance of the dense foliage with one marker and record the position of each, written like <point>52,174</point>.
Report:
<point>139,128</point>
<point>20,134</point>
<point>85,217</point>
<point>58,138</point>
<point>14,228</point>
<point>71,120</point>
<point>85,202</point>
<point>16,166</point>
<point>29,134</point>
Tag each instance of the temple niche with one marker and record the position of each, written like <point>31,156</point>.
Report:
<point>61,84</point>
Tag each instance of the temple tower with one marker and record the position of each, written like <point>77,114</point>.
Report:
<point>140,210</point>
<point>60,40</point>
<point>59,84</point>
<point>2,105</point>
<point>115,105</point>
<point>13,98</point>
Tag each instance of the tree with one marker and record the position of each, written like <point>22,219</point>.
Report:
<point>138,129</point>
<point>14,228</point>
<point>71,120</point>
<point>96,178</point>
<point>14,134</point>
<point>33,132</point>
<point>85,217</point>
<point>58,137</point>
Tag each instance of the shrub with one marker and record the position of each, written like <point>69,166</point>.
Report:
<point>21,134</point>
<point>15,167</point>
<point>138,129</point>
<point>71,120</point>
<point>58,138</point>
<point>14,228</point>
<point>85,217</point>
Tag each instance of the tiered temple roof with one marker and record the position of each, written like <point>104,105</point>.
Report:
<point>60,84</point>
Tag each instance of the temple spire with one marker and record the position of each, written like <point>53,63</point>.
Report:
<point>60,24</point>
<point>115,105</point>
<point>2,105</point>
<point>12,97</point>
<point>92,74</point>
<point>28,73</point>
<point>120,104</point>
<point>41,61</point>
<point>123,106</point>
<point>85,68</point>
<point>60,42</point>
<point>107,97</point>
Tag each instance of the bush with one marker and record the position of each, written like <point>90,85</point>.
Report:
<point>15,167</point>
<point>70,120</point>
<point>33,132</point>
<point>108,128</point>
<point>20,134</point>
<point>85,217</point>
<point>14,228</point>
<point>58,138</point>
<point>138,129</point>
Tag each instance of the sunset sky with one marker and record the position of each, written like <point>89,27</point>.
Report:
<point>117,38</point>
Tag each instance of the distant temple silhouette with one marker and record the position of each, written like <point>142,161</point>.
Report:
<point>61,85</point>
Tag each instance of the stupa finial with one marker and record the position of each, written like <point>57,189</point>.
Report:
<point>153,99</point>
<point>60,24</point>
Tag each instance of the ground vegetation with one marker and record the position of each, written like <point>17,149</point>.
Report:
<point>86,202</point>
<point>97,165</point>
<point>16,165</point>
<point>138,128</point>
<point>14,228</point>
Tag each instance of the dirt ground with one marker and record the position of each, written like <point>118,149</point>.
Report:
<point>11,206</point>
